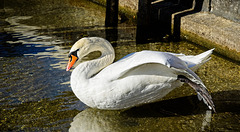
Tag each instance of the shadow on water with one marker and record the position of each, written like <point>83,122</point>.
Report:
<point>157,24</point>
<point>180,114</point>
<point>226,101</point>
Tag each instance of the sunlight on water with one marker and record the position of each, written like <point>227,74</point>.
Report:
<point>35,92</point>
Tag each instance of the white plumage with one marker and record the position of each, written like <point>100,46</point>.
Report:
<point>139,78</point>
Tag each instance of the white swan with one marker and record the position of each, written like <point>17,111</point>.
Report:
<point>139,78</point>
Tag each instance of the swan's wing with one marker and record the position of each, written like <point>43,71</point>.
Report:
<point>119,68</point>
<point>194,62</point>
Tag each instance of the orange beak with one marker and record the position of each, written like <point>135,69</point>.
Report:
<point>71,61</point>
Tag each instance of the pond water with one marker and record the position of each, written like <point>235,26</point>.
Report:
<point>35,93</point>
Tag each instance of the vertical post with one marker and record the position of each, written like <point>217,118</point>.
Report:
<point>111,19</point>
<point>2,5</point>
<point>143,20</point>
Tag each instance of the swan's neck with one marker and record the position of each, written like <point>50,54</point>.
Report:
<point>86,70</point>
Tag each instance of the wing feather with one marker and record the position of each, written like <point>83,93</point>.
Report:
<point>119,68</point>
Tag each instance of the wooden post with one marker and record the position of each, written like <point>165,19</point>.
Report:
<point>143,20</point>
<point>111,19</point>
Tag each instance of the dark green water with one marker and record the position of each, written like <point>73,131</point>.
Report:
<point>35,94</point>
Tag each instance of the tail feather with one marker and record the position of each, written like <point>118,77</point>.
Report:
<point>194,62</point>
<point>201,90</point>
<point>201,59</point>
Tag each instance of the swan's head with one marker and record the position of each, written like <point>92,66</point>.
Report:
<point>85,46</point>
<point>78,50</point>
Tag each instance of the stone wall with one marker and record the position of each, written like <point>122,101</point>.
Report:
<point>229,9</point>
<point>131,4</point>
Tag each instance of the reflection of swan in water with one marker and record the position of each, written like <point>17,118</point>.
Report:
<point>207,119</point>
<point>93,120</point>
<point>139,78</point>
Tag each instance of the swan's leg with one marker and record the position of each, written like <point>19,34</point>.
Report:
<point>202,92</point>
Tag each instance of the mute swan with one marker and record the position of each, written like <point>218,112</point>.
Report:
<point>139,78</point>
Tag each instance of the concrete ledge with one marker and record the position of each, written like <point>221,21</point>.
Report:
<point>212,31</point>
<point>203,28</point>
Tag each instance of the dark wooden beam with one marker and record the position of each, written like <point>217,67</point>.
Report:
<point>143,20</point>
<point>111,19</point>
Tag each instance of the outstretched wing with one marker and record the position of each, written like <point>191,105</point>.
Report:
<point>128,63</point>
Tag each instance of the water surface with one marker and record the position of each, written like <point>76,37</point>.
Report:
<point>35,37</point>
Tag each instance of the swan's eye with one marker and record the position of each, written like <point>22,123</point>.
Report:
<point>70,57</point>
<point>73,53</point>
